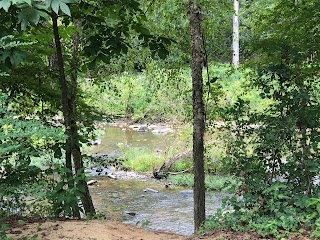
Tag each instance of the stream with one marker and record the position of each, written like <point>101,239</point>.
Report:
<point>116,138</point>
<point>169,209</point>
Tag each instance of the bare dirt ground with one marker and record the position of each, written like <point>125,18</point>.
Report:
<point>111,230</point>
<point>86,230</point>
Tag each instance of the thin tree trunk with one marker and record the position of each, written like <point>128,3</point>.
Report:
<point>198,115</point>
<point>75,145</point>
<point>235,35</point>
<point>65,102</point>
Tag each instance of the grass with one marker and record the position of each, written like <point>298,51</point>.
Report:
<point>141,160</point>
<point>184,165</point>
<point>212,182</point>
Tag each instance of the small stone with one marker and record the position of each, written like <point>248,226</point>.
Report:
<point>150,190</point>
<point>92,182</point>
<point>131,213</point>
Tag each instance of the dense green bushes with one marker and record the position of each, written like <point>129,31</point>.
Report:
<point>31,181</point>
<point>275,153</point>
<point>158,93</point>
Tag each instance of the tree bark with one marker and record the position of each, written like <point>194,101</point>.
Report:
<point>65,102</point>
<point>235,35</point>
<point>75,144</point>
<point>198,115</point>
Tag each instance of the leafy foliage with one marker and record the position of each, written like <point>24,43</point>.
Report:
<point>275,151</point>
<point>65,199</point>
<point>22,185</point>
<point>9,52</point>
<point>212,182</point>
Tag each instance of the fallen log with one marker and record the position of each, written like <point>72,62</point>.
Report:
<point>162,172</point>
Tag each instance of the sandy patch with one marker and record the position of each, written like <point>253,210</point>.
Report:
<point>87,230</point>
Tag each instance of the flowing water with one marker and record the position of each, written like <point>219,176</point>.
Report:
<point>169,209</point>
<point>115,138</point>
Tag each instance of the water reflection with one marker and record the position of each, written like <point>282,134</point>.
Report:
<point>115,138</point>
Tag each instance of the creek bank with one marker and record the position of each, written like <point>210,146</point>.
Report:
<point>84,230</point>
<point>110,230</point>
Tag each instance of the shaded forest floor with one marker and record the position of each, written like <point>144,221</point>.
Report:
<point>109,230</point>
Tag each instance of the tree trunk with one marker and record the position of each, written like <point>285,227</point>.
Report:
<point>65,103</point>
<point>75,144</point>
<point>235,35</point>
<point>198,115</point>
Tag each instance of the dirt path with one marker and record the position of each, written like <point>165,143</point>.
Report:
<point>87,230</point>
<point>111,230</point>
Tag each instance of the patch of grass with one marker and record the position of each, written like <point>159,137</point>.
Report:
<point>212,182</point>
<point>185,180</point>
<point>142,160</point>
<point>182,166</point>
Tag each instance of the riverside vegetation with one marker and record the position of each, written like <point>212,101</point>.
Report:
<point>42,163</point>
<point>262,118</point>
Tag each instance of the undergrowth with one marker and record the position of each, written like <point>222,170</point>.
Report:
<point>141,159</point>
<point>212,182</point>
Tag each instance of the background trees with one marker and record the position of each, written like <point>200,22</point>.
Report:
<point>58,56</point>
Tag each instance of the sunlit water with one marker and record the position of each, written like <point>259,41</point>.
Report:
<point>115,138</point>
<point>171,209</point>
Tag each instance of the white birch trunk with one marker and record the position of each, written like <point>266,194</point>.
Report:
<point>235,35</point>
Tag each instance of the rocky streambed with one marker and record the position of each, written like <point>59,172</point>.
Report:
<point>149,203</point>
<point>135,198</point>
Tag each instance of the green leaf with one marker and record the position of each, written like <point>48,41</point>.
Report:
<point>28,15</point>
<point>55,6</point>
<point>281,196</point>
<point>28,1</point>
<point>5,4</point>
<point>4,55</point>
<point>48,2</point>
<point>16,58</point>
<point>69,1</point>
<point>313,201</point>
<point>64,8</point>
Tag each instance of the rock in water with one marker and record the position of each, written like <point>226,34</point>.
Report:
<point>131,213</point>
<point>143,128</point>
<point>150,190</point>
<point>92,182</point>
<point>96,142</point>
